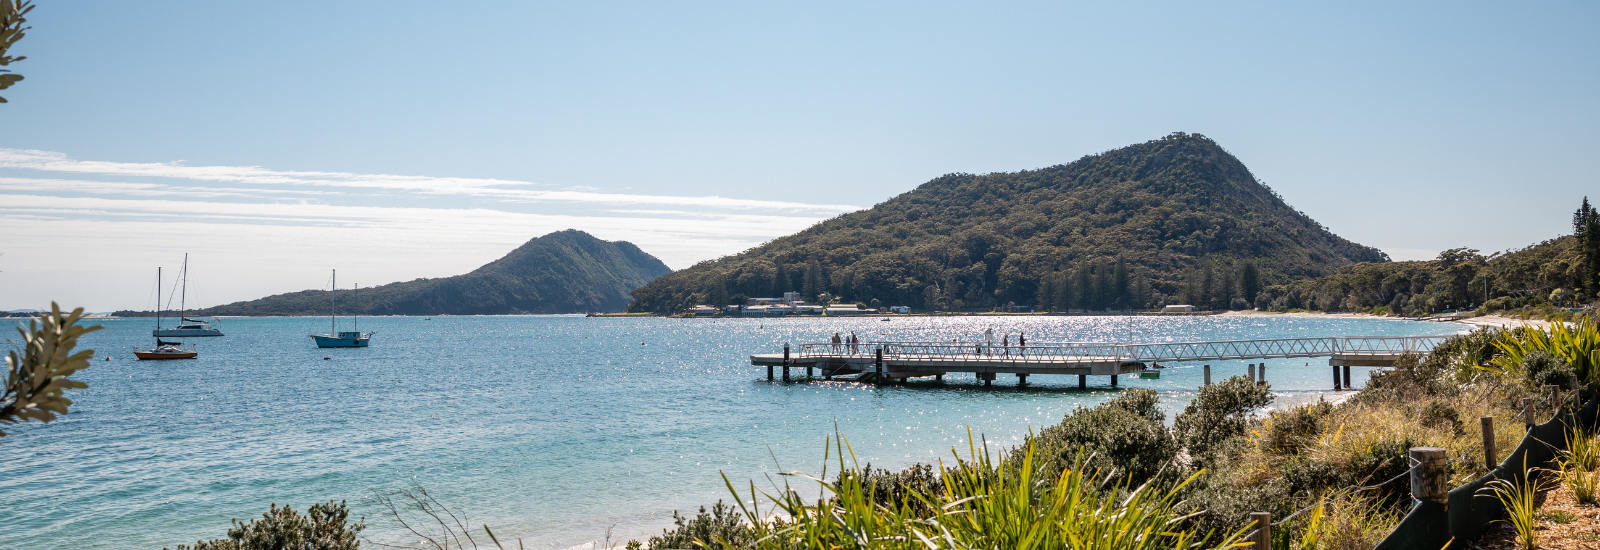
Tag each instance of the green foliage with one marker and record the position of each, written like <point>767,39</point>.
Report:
<point>723,523</point>
<point>13,15</point>
<point>1220,412</point>
<point>984,504</point>
<point>563,272</point>
<point>1291,430</point>
<point>1577,345</point>
<point>1127,436</point>
<point>1411,379</point>
<point>1520,498</point>
<point>1586,230</point>
<point>37,378</point>
<point>1158,209</point>
<point>327,528</point>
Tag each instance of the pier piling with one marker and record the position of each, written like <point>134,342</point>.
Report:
<point>1113,380</point>
<point>1252,367</point>
<point>1022,379</point>
<point>1261,371</point>
<point>1347,385</point>
<point>1083,381</point>
<point>1336,378</point>
<point>1208,375</point>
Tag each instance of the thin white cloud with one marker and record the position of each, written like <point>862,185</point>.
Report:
<point>51,161</point>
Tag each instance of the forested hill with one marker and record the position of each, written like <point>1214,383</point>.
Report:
<point>1128,227</point>
<point>564,272</point>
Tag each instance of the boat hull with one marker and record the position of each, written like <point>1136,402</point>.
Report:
<point>186,333</point>
<point>331,342</point>
<point>158,355</point>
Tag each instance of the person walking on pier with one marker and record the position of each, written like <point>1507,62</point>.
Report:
<point>988,338</point>
<point>836,341</point>
<point>1005,345</point>
<point>855,343</point>
<point>1022,342</point>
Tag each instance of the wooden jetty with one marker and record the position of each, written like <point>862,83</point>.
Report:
<point>883,361</point>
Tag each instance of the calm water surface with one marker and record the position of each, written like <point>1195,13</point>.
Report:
<point>551,427</point>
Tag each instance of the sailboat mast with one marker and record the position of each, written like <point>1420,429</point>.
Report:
<point>158,300</point>
<point>183,307</point>
<point>333,309</point>
<point>355,317</point>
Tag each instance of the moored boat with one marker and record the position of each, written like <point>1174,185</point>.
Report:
<point>164,349</point>
<point>186,327</point>
<point>334,338</point>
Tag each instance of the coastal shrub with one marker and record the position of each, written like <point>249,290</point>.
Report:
<point>1384,463</point>
<point>1126,435</point>
<point>985,504</point>
<point>326,528</point>
<point>1540,368</point>
<point>1411,379</point>
<point>1220,412</point>
<point>1221,502</point>
<point>1289,431</point>
<point>892,488</point>
<point>1577,344</point>
<point>722,526</point>
<point>1442,415</point>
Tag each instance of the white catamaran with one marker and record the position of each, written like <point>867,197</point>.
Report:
<point>334,338</point>
<point>186,327</point>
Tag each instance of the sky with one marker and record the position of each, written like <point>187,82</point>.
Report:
<point>273,142</point>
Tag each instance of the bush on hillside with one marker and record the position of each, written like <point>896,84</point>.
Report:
<point>1219,413</point>
<point>327,528</point>
<point>1126,435</point>
<point>723,523</point>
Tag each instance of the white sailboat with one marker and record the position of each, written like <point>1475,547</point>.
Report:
<point>186,327</point>
<point>334,338</point>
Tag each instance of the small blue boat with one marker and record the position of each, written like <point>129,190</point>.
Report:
<point>334,338</point>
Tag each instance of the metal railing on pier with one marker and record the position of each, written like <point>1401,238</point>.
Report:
<point>1173,352</point>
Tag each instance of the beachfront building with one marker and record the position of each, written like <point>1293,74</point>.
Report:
<point>900,309</point>
<point>703,310</point>
<point>1178,308</point>
<point>847,310</point>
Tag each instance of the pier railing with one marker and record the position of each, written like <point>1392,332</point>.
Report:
<point>1141,352</point>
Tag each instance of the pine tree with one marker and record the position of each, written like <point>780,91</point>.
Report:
<point>1120,285</point>
<point>1063,289</point>
<point>718,293</point>
<point>1586,227</point>
<point>1047,292</point>
<point>780,280</point>
<point>1208,286</point>
<point>1250,281</point>
<point>1083,287</point>
<point>813,280</point>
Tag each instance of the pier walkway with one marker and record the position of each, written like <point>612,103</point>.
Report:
<point>899,360</point>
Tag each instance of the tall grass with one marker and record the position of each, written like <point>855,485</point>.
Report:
<point>983,504</point>
<point>1520,500</point>
<point>1580,464</point>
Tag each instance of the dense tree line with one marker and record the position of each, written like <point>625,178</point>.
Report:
<point>1133,227</point>
<point>1557,272</point>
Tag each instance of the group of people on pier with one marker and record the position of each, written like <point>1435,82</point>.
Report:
<point>851,343</point>
<point>1005,343</point>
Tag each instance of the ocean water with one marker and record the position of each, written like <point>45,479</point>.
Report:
<point>551,428</point>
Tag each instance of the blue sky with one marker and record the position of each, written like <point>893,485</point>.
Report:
<point>395,140</point>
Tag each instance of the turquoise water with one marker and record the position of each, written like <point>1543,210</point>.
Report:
<point>554,428</point>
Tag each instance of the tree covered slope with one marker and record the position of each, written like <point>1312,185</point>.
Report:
<point>1129,227</point>
<point>564,272</point>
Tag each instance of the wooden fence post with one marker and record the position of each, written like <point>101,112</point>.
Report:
<point>1262,536</point>
<point>1487,423</point>
<point>1430,476</point>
